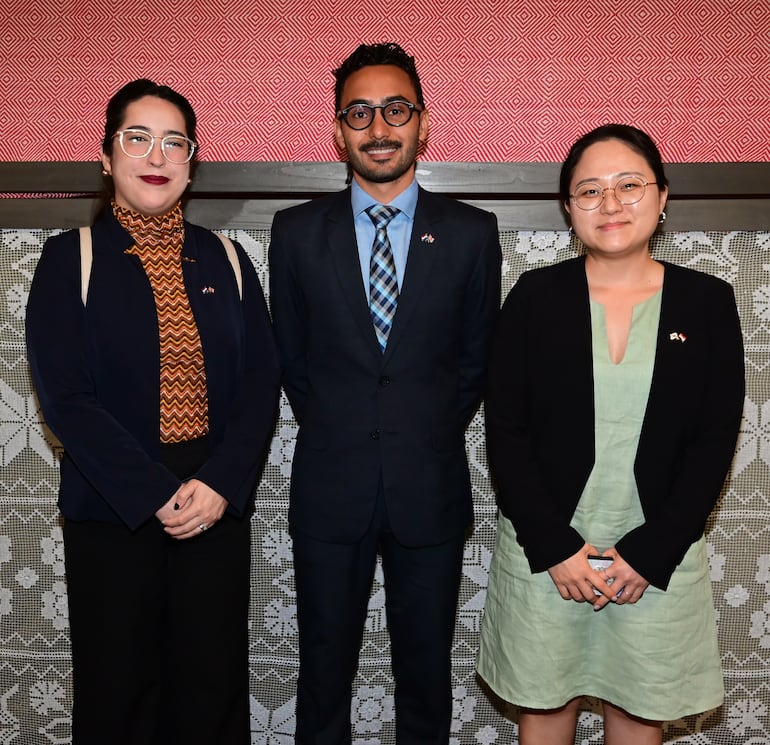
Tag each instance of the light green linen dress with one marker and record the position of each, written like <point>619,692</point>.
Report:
<point>658,658</point>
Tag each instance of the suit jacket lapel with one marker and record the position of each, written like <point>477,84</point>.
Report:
<point>343,249</point>
<point>418,267</point>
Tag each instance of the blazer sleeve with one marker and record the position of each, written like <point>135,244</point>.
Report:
<point>289,311</point>
<point>524,494</point>
<point>676,511</point>
<point>108,457</point>
<point>482,305</point>
<point>234,464</point>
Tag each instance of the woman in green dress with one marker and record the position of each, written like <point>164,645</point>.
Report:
<point>614,401</point>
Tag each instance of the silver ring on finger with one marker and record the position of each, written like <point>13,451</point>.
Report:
<point>203,527</point>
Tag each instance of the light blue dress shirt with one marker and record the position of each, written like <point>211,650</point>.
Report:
<point>399,229</point>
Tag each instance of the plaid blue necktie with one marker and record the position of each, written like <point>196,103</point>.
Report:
<point>383,283</point>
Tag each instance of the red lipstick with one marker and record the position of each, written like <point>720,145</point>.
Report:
<point>156,180</point>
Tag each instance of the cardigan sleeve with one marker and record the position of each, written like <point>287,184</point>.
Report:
<point>680,471</point>
<point>234,464</point>
<point>524,495</point>
<point>106,455</point>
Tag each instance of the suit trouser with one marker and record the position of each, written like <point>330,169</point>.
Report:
<point>159,632</point>
<point>333,584</point>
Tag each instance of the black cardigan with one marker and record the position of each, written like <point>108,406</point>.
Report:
<point>96,372</point>
<point>540,417</point>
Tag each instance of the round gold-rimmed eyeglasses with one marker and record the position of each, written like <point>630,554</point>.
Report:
<point>136,143</point>
<point>628,190</point>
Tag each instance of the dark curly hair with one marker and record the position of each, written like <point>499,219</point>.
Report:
<point>366,55</point>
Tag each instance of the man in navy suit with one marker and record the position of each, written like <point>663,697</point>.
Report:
<point>383,300</point>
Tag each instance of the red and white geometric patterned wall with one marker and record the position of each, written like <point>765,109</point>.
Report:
<point>505,81</point>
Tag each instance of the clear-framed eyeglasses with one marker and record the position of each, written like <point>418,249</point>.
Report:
<point>628,190</point>
<point>136,143</point>
<point>361,115</point>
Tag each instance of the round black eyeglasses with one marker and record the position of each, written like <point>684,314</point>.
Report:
<point>361,115</point>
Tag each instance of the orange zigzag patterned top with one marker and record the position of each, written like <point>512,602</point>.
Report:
<point>184,411</point>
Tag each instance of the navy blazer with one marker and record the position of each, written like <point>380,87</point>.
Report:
<point>540,415</point>
<point>398,416</point>
<point>96,370</point>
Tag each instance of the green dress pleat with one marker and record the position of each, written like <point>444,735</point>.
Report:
<point>657,659</point>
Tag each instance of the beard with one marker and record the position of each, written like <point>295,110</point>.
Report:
<point>397,165</point>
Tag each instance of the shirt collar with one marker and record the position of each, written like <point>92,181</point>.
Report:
<point>406,201</point>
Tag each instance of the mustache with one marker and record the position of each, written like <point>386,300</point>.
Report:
<point>377,144</point>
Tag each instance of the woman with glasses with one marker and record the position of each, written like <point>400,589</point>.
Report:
<point>614,400</point>
<point>155,366</point>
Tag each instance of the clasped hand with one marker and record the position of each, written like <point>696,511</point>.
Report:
<point>194,508</point>
<point>575,579</point>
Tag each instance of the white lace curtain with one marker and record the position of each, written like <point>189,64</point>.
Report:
<point>35,666</point>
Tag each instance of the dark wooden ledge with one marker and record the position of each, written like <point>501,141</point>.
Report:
<point>704,196</point>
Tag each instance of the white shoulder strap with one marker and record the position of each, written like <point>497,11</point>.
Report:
<point>86,259</point>
<point>232,257</point>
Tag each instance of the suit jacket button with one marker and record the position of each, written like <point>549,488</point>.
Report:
<point>375,434</point>
<point>384,380</point>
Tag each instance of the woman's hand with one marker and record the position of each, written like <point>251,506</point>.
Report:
<point>168,510</point>
<point>194,508</point>
<point>574,578</point>
<point>625,578</point>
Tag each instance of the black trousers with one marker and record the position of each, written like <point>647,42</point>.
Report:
<point>159,632</point>
<point>333,584</point>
